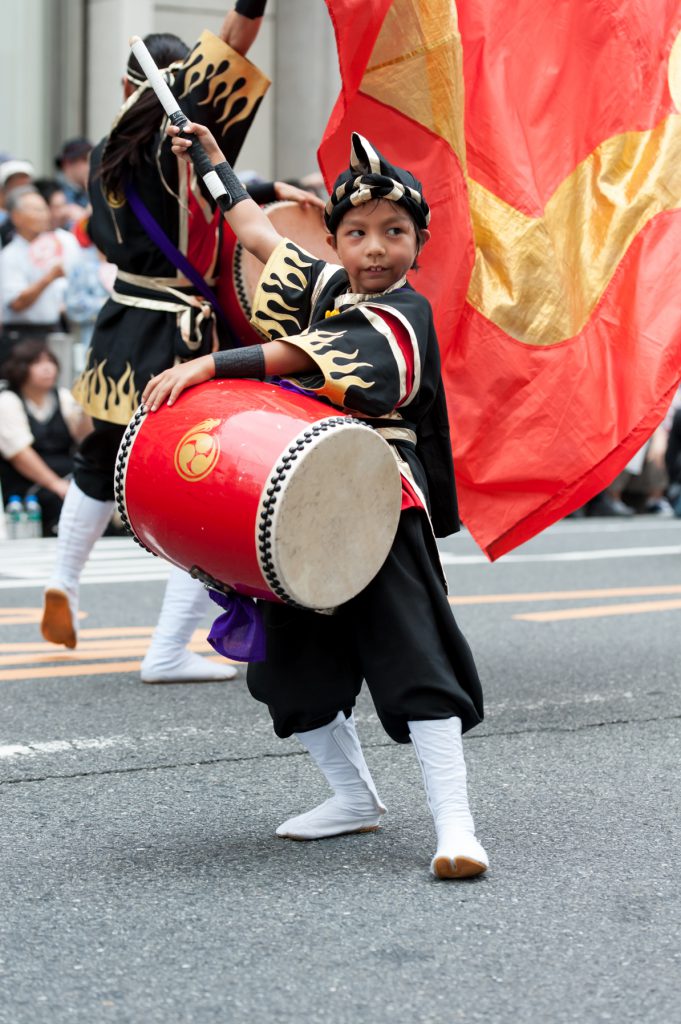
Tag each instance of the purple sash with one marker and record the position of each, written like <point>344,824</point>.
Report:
<point>157,235</point>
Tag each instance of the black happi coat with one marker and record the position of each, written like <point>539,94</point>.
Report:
<point>145,328</point>
<point>377,357</point>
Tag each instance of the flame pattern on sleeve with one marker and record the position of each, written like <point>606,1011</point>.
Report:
<point>282,302</point>
<point>219,87</point>
<point>360,365</point>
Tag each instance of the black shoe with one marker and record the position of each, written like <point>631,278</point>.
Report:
<point>604,505</point>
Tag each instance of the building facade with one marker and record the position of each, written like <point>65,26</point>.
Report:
<point>62,62</point>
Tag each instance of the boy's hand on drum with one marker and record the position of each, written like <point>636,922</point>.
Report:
<point>181,146</point>
<point>284,191</point>
<point>169,385</point>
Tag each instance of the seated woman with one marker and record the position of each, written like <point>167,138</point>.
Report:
<point>40,425</point>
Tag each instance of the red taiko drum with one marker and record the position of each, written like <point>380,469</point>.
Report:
<point>261,490</point>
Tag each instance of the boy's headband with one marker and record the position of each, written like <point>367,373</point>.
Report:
<point>370,176</point>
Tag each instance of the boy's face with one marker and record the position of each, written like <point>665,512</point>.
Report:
<point>377,244</point>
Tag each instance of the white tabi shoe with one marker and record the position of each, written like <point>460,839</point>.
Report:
<point>355,805</point>
<point>189,667</point>
<point>439,750</point>
<point>82,522</point>
<point>185,603</point>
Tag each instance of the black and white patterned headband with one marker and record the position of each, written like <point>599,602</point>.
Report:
<point>370,176</point>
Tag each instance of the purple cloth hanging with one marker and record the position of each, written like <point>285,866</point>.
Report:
<point>240,632</point>
<point>297,389</point>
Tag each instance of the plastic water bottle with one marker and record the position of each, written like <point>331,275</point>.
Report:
<point>15,517</point>
<point>34,516</point>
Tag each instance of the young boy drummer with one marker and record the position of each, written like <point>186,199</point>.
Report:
<point>359,337</point>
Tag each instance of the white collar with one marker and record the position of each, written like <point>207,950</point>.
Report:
<point>353,298</point>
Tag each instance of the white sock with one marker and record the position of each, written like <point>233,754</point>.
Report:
<point>185,603</point>
<point>355,805</point>
<point>439,750</point>
<point>82,522</point>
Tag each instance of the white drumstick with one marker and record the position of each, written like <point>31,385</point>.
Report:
<point>154,76</point>
<point>199,157</point>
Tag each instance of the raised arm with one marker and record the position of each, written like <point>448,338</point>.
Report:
<point>242,25</point>
<point>251,226</point>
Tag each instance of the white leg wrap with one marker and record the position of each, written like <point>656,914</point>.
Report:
<point>355,805</point>
<point>82,522</point>
<point>439,750</point>
<point>185,603</point>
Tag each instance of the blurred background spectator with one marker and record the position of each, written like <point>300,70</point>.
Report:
<point>673,461</point>
<point>40,426</point>
<point>13,174</point>
<point>89,285</point>
<point>73,163</point>
<point>33,267</point>
<point>650,483</point>
<point>55,197</point>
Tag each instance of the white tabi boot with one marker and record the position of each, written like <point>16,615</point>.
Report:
<point>185,603</point>
<point>355,805</point>
<point>439,750</point>
<point>82,522</point>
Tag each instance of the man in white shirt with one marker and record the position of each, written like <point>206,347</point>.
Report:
<point>33,266</point>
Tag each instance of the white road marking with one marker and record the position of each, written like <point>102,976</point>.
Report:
<point>565,556</point>
<point>28,563</point>
<point>14,750</point>
<point>31,749</point>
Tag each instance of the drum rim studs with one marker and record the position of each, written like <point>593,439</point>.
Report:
<point>273,491</point>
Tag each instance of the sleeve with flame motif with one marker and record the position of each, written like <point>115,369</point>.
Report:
<point>361,365</point>
<point>220,89</point>
<point>368,354</point>
<point>286,291</point>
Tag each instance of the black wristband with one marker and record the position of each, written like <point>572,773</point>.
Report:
<point>235,190</point>
<point>250,8</point>
<point>262,192</point>
<point>240,362</point>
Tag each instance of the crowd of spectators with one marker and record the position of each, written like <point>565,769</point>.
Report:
<point>40,425</point>
<point>52,284</point>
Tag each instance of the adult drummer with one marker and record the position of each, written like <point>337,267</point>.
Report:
<point>155,317</point>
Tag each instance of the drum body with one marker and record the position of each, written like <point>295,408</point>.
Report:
<point>261,490</point>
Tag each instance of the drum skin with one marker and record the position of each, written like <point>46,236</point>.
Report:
<point>265,491</point>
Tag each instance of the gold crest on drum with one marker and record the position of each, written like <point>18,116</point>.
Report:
<point>198,451</point>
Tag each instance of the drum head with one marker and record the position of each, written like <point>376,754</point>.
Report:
<point>333,516</point>
<point>303,225</point>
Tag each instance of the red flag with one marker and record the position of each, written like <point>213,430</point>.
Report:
<point>549,144</point>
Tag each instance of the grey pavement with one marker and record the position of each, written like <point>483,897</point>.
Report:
<point>140,880</point>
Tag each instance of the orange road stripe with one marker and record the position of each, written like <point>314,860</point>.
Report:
<point>19,616</point>
<point>95,632</point>
<point>94,647</point>
<point>60,656</point>
<point>25,616</point>
<point>43,647</point>
<point>60,671</point>
<point>20,622</point>
<point>563,595</point>
<point>600,611</point>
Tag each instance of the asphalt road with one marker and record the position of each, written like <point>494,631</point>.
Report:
<point>140,880</point>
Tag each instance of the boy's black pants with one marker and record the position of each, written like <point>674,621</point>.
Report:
<point>398,634</point>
